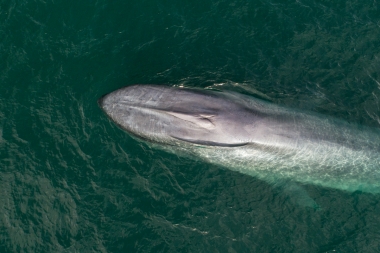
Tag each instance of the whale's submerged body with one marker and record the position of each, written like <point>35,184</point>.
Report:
<point>250,135</point>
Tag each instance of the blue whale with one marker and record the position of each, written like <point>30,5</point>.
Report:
<point>249,135</point>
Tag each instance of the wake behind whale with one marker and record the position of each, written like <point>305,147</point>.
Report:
<point>251,136</point>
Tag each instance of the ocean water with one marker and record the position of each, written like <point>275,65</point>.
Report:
<point>72,181</point>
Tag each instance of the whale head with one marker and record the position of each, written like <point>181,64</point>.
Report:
<point>174,115</point>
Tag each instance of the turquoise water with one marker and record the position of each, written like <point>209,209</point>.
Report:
<point>72,181</point>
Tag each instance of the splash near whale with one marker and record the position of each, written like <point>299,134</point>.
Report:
<point>249,135</point>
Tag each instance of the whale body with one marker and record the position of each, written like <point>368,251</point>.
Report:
<point>249,135</point>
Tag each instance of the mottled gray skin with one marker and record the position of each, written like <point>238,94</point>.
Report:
<point>249,135</point>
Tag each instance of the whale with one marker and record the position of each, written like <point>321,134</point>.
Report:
<point>250,135</point>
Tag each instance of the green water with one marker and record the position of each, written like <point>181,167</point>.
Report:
<point>71,181</point>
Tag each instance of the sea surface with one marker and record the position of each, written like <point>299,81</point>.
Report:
<point>72,181</point>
